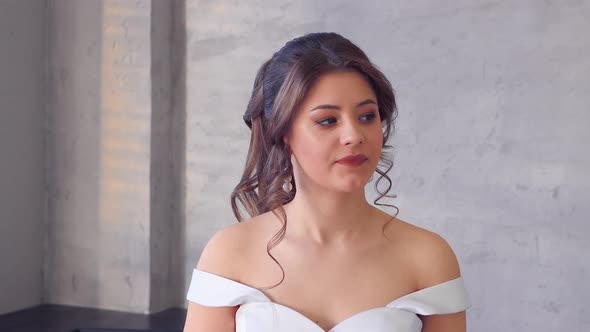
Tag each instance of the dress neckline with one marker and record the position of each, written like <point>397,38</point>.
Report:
<point>391,304</point>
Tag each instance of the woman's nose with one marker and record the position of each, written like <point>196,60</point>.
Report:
<point>352,133</point>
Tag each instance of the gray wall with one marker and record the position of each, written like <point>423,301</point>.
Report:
<point>489,149</point>
<point>113,156</point>
<point>92,131</point>
<point>98,152</point>
<point>167,155</point>
<point>22,26</point>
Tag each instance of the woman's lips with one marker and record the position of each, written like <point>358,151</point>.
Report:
<point>353,160</point>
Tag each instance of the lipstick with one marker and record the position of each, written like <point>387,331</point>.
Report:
<point>353,160</point>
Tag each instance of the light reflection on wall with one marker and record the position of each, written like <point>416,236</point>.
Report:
<point>125,154</point>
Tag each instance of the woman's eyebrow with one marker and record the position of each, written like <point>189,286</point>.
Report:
<point>336,107</point>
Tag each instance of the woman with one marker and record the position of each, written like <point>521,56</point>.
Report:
<point>320,115</point>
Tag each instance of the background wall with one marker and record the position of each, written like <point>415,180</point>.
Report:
<point>22,145</point>
<point>114,156</point>
<point>490,143</point>
<point>92,134</point>
<point>98,155</point>
<point>101,140</point>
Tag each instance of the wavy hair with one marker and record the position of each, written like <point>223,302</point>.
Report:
<point>280,86</point>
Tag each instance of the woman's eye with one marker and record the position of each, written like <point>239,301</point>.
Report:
<point>326,122</point>
<point>368,117</point>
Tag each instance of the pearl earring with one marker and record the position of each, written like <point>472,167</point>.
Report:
<point>287,185</point>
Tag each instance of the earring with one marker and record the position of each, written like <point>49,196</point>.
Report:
<point>287,185</point>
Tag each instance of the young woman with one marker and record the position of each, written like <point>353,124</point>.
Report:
<point>315,256</point>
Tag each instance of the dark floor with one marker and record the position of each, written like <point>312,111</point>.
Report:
<point>57,318</point>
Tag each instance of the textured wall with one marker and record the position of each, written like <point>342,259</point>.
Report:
<point>115,154</point>
<point>22,26</point>
<point>489,149</point>
<point>167,155</point>
<point>98,166</point>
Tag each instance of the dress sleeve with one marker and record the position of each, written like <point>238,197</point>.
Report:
<point>211,290</point>
<point>445,298</point>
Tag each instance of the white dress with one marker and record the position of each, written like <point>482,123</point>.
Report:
<point>257,313</point>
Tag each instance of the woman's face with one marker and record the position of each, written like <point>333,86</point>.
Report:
<point>336,136</point>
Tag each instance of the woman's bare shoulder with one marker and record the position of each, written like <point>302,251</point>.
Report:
<point>227,249</point>
<point>225,254</point>
<point>432,257</point>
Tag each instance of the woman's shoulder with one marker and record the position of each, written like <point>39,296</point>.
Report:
<point>225,251</point>
<point>432,258</point>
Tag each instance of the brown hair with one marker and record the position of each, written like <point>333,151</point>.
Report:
<point>279,88</point>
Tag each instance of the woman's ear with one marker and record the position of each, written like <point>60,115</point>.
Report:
<point>286,142</point>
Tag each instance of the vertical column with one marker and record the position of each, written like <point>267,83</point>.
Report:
<point>115,148</point>
<point>99,155</point>
<point>167,150</point>
<point>22,119</point>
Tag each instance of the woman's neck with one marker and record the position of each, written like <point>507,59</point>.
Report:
<point>329,219</point>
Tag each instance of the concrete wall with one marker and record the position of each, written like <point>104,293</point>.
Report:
<point>490,143</point>
<point>93,129</point>
<point>22,26</point>
<point>98,155</point>
<point>114,170</point>
<point>167,155</point>
<point>489,148</point>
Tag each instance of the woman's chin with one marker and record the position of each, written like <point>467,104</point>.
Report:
<point>353,186</point>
